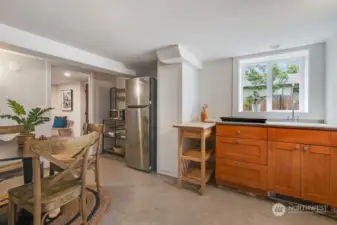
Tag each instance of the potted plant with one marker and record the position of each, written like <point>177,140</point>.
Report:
<point>35,117</point>
<point>256,98</point>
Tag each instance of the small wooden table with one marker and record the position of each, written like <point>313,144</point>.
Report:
<point>197,175</point>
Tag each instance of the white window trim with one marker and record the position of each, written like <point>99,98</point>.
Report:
<point>238,63</point>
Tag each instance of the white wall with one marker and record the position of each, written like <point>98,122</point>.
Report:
<point>191,93</point>
<point>30,86</point>
<point>331,80</point>
<point>101,84</point>
<point>219,89</point>
<point>216,87</point>
<point>77,115</point>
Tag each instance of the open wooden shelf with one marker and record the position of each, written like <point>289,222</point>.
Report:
<point>193,175</point>
<point>195,154</point>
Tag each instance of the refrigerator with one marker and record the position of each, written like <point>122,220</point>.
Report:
<point>141,123</point>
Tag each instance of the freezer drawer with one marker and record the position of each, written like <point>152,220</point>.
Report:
<point>137,153</point>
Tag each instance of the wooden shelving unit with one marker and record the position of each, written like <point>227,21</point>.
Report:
<point>187,159</point>
<point>114,135</point>
<point>195,155</point>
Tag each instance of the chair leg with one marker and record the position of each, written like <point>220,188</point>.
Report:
<point>83,209</point>
<point>11,213</point>
<point>44,217</point>
<point>97,176</point>
<point>51,170</point>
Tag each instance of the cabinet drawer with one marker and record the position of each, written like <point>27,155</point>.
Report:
<point>246,174</point>
<point>240,149</point>
<point>315,137</point>
<point>249,132</point>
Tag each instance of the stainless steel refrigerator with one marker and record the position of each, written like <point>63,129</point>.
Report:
<point>141,123</point>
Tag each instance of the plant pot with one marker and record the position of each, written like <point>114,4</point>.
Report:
<point>256,107</point>
<point>22,138</point>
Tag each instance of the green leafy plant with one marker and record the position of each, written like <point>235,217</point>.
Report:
<point>255,97</point>
<point>35,117</point>
<point>257,75</point>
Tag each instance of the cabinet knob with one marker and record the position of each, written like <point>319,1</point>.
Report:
<point>297,147</point>
<point>305,148</point>
<point>238,164</point>
<point>238,132</point>
<point>238,141</point>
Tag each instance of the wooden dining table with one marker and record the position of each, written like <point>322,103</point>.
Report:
<point>9,151</point>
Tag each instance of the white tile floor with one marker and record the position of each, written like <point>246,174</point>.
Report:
<point>139,198</point>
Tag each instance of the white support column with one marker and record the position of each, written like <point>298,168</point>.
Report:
<point>331,81</point>
<point>178,101</point>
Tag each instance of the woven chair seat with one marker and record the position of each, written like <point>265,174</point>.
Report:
<point>51,198</point>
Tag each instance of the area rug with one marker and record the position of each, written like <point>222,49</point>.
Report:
<point>97,205</point>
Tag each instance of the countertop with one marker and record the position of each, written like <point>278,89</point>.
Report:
<point>285,124</point>
<point>197,124</point>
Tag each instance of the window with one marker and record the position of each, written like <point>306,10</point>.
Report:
<point>275,83</point>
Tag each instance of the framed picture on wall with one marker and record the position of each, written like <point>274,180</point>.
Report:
<point>67,100</point>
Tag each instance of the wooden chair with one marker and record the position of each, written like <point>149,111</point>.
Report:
<point>47,194</point>
<point>94,158</point>
<point>12,168</point>
<point>93,161</point>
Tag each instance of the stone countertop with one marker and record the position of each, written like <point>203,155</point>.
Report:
<point>197,124</point>
<point>285,124</point>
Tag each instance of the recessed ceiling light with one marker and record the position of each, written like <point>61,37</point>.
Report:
<point>67,74</point>
<point>276,46</point>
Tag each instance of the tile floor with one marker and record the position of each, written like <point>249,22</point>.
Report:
<point>139,198</point>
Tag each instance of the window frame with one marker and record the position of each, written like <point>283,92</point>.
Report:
<point>301,56</point>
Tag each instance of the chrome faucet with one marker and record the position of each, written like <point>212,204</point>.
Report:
<point>293,112</point>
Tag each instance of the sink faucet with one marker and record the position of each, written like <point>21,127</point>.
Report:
<point>293,106</point>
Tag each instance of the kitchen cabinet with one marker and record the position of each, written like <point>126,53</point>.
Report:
<point>241,156</point>
<point>293,161</point>
<point>315,173</point>
<point>333,177</point>
<point>244,150</point>
<point>241,173</point>
<point>284,168</point>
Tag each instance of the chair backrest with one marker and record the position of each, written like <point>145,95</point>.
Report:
<point>74,170</point>
<point>70,124</point>
<point>99,128</point>
<point>14,129</point>
<point>7,133</point>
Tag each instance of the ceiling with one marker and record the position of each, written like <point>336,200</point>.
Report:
<point>57,76</point>
<point>130,30</point>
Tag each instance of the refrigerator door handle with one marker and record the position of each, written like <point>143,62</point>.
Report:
<point>136,106</point>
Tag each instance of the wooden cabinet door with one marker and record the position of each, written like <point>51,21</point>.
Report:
<point>284,168</point>
<point>315,173</point>
<point>333,177</point>
<point>240,149</point>
<point>241,173</point>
